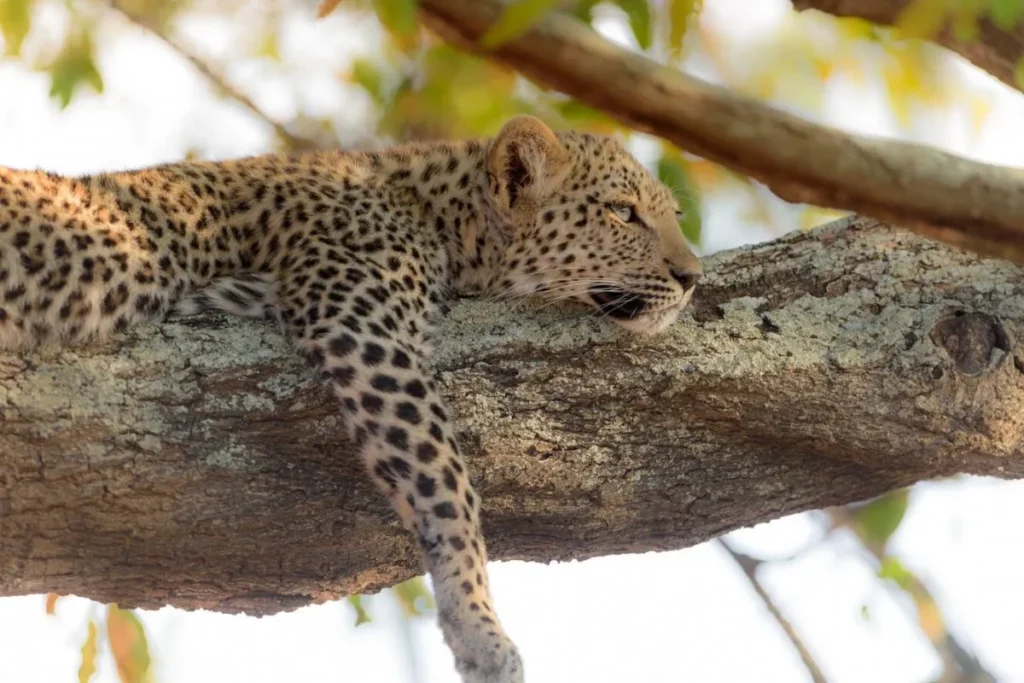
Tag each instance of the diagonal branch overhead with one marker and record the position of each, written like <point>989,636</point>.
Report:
<point>962,202</point>
<point>198,464</point>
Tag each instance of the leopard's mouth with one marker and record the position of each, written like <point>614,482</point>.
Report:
<point>620,304</point>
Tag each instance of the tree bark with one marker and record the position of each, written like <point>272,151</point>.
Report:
<point>200,464</point>
<point>996,51</point>
<point>940,195</point>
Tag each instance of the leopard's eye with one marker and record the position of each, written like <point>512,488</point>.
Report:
<point>624,212</point>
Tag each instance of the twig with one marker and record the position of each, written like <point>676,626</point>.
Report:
<point>749,566</point>
<point>294,142</point>
<point>937,194</point>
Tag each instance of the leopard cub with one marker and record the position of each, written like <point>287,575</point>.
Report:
<point>355,255</point>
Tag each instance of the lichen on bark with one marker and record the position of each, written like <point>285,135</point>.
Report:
<point>201,464</point>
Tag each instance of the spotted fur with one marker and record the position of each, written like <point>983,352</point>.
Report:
<point>355,255</point>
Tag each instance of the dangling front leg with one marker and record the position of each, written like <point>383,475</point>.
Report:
<point>403,434</point>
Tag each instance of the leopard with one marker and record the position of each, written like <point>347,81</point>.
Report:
<point>357,256</point>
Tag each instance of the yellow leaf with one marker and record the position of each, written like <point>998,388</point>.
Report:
<point>852,67</point>
<point>515,20</point>
<point>930,619</point>
<point>128,645</point>
<point>922,18</point>
<point>706,174</point>
<point>15,22</point>
<point>823,68</point>
<point>270,45</point>
<point>814,216</point>
<point>908,81</point>
<point>680,13</point>
<point>88,666</point>
<point>326,7</point>
<point>51,603</point>
<point>855,28</point>
<point>980,110</point>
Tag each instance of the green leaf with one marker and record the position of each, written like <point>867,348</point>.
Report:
<point>639,13</point>
<point>964,22</point>
<point>922,18</point>
<point>362,617</point>
<point>1018,73</point>
<point>515,20</point>
<point>584,10</point>
<point>1006,13</point>
<point>674,172</point>
<point>413,597</point>
<point>74,66</point>
<point>877,520</point>
<point>582,117</point>
<point>397,16</point>
<point>367,75</point>
<point>680,13</point>
<point>893,570</point>
<point>15,22</point>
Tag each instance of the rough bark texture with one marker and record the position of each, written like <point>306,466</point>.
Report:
<point>940,195</point>
<point>199,464</point>
<point>995,50</point>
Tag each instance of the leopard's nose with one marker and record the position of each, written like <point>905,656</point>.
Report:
<point>687,279</point>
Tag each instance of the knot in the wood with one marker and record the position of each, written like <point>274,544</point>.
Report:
<point>970,339</point>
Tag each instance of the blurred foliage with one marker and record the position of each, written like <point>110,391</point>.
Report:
<point>128,645</point>
<point>89,651</point>
<point>126,639</point>
<point>873,524</point>
<point>74,67</point>
<point>412,597</point>
<point>15,22</point>
<point>124,636</point>
<point>421,87</point>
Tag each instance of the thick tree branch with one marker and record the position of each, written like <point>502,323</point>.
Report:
<point>198,464</point>
<point>940,195</point>
<point>996,51</point>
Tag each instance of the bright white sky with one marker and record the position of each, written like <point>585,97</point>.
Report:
<point>687,615</point>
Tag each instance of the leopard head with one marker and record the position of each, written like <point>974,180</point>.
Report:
<point>587,222</point>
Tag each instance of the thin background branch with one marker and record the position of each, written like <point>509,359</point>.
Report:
<point>750,565</point>
<point>217,79</point>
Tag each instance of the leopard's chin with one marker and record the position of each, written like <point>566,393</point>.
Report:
<point>649,321</point>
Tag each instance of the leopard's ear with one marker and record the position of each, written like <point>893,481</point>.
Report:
<point>525,164</point>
